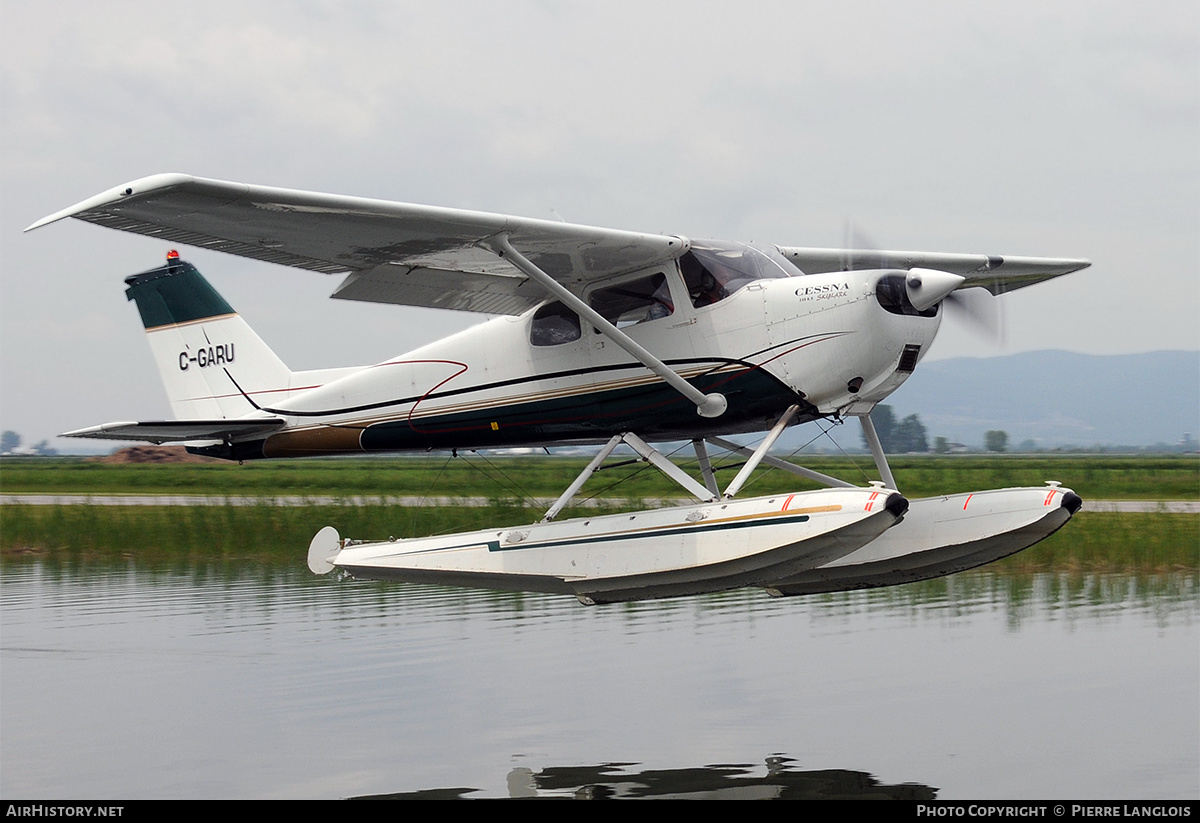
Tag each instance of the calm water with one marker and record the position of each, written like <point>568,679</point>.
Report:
<point>251,682</point>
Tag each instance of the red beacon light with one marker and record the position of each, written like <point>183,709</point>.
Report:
<point>172,255</point>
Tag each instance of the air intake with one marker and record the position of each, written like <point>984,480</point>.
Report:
<point>908,358</point>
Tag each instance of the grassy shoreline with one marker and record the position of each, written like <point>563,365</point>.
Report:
<point>271,534</point>
<point>1117,477</point>
<point>1094,542</point>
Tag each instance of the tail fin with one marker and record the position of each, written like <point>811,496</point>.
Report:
<point>212,363</point>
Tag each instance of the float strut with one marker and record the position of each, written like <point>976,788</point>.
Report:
<point>574,488</point>
<point>775,462</point>
<point>885,471</point>
<point>706,470</point>
<point>761,452</point>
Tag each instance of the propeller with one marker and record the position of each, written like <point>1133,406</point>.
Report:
<point>926,287</point>
<point>858,250</point>
<point>977,309</point>
<point>980,312</point>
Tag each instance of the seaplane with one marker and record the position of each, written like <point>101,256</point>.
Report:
<point>597,336</point>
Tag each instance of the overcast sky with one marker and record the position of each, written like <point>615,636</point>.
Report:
<point>1019,127</point>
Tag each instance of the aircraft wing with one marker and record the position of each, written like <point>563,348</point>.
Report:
<point>174,431</point>
<point>391,252</point>
<point>996,274</point>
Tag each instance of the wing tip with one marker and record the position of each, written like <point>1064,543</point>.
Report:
<point>90,431</point>
<point>143,185</point>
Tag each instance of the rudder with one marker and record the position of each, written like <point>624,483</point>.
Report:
<point>211,362</point>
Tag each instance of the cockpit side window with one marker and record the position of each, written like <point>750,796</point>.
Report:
<point>634,301</point>
<point>713,271</point>
<point>554,324</point>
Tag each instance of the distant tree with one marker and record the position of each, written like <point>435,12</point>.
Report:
<point>996,441</point>
<point>909,436</point>
<point>1027,447</point>
<point>9,442</point>
<point>885,424</point>
<point>43,448</point>
<point>941,445</point>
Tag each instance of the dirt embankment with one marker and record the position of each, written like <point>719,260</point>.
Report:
<point>155,454</point>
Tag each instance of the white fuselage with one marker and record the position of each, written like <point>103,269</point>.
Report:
<point>825,339</point>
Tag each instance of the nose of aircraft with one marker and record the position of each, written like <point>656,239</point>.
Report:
<point>926,287</point>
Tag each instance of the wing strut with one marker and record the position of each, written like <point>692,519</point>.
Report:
<point>707,405</point>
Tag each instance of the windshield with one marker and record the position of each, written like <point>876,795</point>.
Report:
<point>713,270</point>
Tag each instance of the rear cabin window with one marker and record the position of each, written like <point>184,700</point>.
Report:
<point>554,324</point>
<point>634,301</point>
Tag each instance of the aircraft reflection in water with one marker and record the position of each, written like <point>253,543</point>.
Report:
<point>605,337</point>
<point>734,782</point>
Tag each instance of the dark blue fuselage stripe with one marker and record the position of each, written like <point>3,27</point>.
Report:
<point>718,363</point>
<point>494,545</point>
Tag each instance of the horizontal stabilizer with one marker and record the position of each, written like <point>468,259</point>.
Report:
<point>174,431</point>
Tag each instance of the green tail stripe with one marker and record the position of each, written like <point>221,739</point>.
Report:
<point>174,293</point>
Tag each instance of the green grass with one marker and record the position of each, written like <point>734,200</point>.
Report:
<point>269,534</point>
<point>1092,476</point>
<point>1111,541</point>
<point>265,533</point>
<point>262,532</point>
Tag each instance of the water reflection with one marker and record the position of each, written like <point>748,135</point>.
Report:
<point>1024,597</point>
<point>958,596</point>
<point>226,680</point>
<point>619,781</point>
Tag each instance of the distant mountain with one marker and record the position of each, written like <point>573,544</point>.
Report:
<point>1057,398</point>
